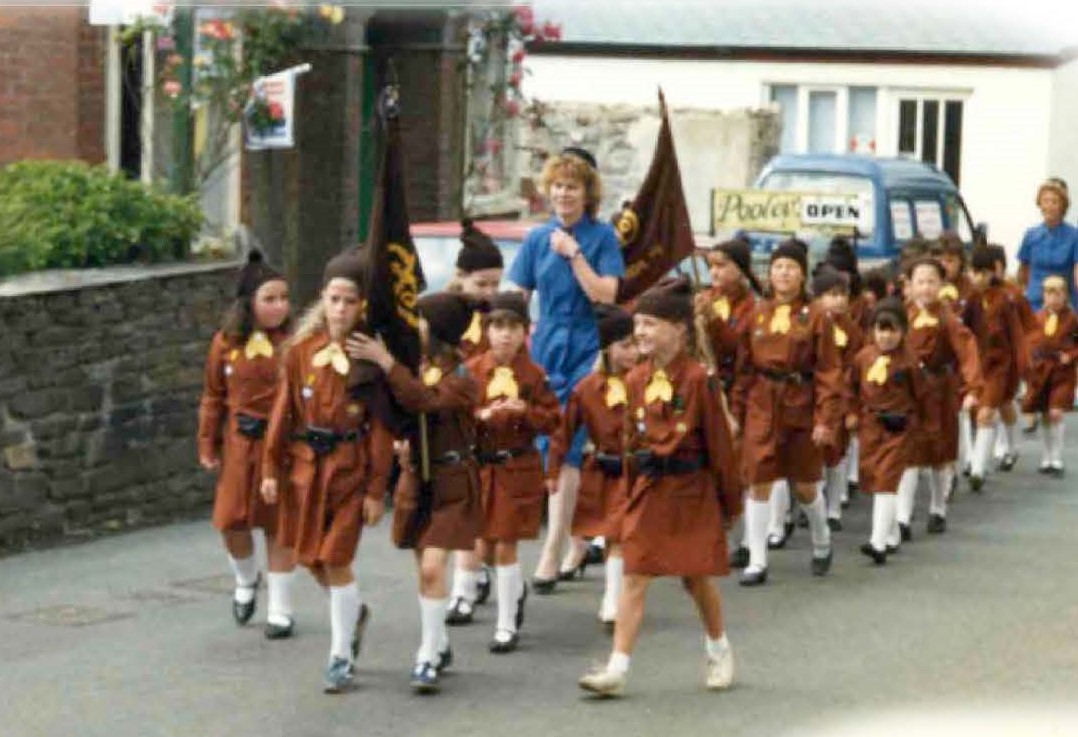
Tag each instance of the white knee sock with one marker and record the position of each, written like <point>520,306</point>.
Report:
<point>618,663</point>
<point>816,511</point>
<point>939,483</point>
<point>465,585</point>
<point>432,622</point>
<point>744,521</point>
<point>1046,443</point>
<point>982,449</point>
<point>853,461</point>
<point>615,569</point>
<point>717,647</point>
<point>780,508</point>
<point>834,485</point>
<point>965,438</point>
<point>344,606</point>
<point>510,587</point>
<point>883,519</point>
<point>1000,447</point>
<point>246,572</point>
<point>280,597</point>
<point>1057,443</point>
<point>757,515</point>
<point>907,494</point>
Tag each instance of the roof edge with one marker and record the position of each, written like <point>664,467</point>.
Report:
<point>796,54</point>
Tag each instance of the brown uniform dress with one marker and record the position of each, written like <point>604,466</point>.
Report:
<point>789,379</point>
<point>674,523</point>
<point>238,385</point>
<point>598,403</point>
<point>449,402</point>
<point>894,385</point>
<point>512,484</point>
<point>1050,382</point>
<point>322,496</point>
<point>730,315</point>
<point>861,314</point>
<point>1025,310</point>
<point>849,339</point>
<point>947,353</point>
<point>1001,346</point>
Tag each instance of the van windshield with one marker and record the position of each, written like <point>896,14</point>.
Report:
<point>829,183</point>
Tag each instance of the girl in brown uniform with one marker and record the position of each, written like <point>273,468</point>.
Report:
<point>598,403</point>
<point>787,400</point>
<point>885,382</point>
<point>452,516</point>
<point>516,404</point>
<point>1006,444</point>
<point>683,482</point>
<point>947,353</point>
<point>1051,377</point>
<point>726,308</point>
<point>241,376</point>
<point>1004,360</point>
<point>479,274</point>
<point>327,459</point>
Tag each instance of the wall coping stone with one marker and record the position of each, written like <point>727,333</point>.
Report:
<point>71,280</point>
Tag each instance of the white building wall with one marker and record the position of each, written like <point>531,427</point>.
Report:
<point>1063,148</point>
<point>1006,118</point>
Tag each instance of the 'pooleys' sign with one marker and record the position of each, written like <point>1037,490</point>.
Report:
<point>775,211</point>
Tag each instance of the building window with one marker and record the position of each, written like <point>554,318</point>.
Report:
<point>825,119</point>
<point>930,129</point>
<point>862,117</point>
<point>785,95</point>
<point>822,116</point>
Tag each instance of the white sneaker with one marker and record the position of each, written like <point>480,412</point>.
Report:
<point>720,671</point>
<point>604,682</point>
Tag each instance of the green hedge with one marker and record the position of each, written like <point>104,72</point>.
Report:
<point>67,214</point>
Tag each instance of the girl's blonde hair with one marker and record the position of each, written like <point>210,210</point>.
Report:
<point>573,167</point>
<point>313,320</point>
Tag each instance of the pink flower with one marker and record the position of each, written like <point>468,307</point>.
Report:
<point>525,19</point>
<point>166,43</point>
<point>276,111</point>
<point>492,145</point>
<point>550,32</point>
<point>172,88</point>
<point>515,78</point>
<point>512,108</point>
<point>518,56</point>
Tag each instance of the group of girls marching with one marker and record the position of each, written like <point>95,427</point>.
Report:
<point>700,408</point>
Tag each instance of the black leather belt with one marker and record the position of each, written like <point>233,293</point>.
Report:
<point>609,463</point>
<point>893,422</point>
<point>251,427</point>
<point>944,370</point>
<point>323,441</point>
<point>498,457</point>
<point>452,458</point>
<point>788,377</point>
<point>650,464</point>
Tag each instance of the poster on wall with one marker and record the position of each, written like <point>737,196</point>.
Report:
<point>270,115</point>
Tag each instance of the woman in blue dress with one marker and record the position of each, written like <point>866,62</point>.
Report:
<point>571,261</point>
<point>1050,248</point>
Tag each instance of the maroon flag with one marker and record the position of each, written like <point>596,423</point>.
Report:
<point>654,229</point>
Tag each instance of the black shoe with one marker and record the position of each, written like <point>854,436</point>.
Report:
<point>242,613</point>
<point>976,483</point>
<point>445,659</point>
<point>740,557</point>
<point>520,607</point>
<point>425,678</point>
<point>460,612</point>
<point>753,578</point>
<point>820,566</point>
<point>936,524</point>
<point>905,531</point>
<point>1045,468</point>
<point>362,620</point>
<point>500,647</point>
<point>966,470</point>
<point>1006,463</point>
<point>595,555</point>
<point>1056,471</point>
<point>607,625</point>
<point>776,543</point>
<point>339,676</point>
<point>1031,428</point>
<point>544,586</point>
<point>788,529</point>
<point>482,586</point>
<point>892,550</point>
<point>577,572</point>
<point>852,487</point>
<point>835,525</point>
<point>280,631</point>
<point>802,519</point>
<point>879,557</point>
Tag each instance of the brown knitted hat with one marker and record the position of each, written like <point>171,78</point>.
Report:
<point>670,299</point>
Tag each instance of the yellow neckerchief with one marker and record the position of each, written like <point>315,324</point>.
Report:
<point>877,372</point>
<point>474,333</point>
<point>1051,324</point>
<point>949,291</point>
<point>659,388</point>
<point>616,392</point>
<point>780,319</point>
<point>721,308</point>
<point>503,384</point>
<point>332,355</point>
<point>841,339</point>
<point>432,375</point>
<point>258,345</point>
<point>924,319</point>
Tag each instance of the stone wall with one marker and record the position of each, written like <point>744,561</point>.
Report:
<point>100,377</point>
<point>716,148</point>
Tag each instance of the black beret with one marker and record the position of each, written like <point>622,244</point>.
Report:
<point>254,274</point>
<point>983,259</point>
<point>827,277</point>
<point>614,324</point>
<point>478,251</point>
<point>582,154</point>
<point>509,305</point>
<point>792,249</point>
<point>891,309</point>
<point>739,251</point>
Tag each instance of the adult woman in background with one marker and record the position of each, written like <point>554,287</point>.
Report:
<point>571,261</point>
<point>1051,247</point>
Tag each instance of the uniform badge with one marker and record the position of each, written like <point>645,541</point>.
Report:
<point>228,369</point>
<point>306,392</point>
<point>681,427</point>
<point>432,376</point>
<point>233,354</point>
<point>353,410</point>
<point>1051,325</point>
<point>678,403</point>
<point>639,413</point>
<point>803,316</point>
<point>841,339</point>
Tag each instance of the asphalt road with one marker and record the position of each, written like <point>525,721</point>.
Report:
<point>972,632</point>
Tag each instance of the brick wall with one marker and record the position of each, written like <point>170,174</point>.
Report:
<point>52,88</point>
<point>99,391</point>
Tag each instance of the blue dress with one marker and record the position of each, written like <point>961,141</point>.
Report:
<point>1049,251</point>
<point>566,340</point>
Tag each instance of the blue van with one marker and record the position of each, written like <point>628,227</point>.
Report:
<point>903,197</point>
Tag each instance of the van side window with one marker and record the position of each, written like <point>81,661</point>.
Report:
<point>901,219</point>
<point>957,219</point>
<point>929,218</point>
